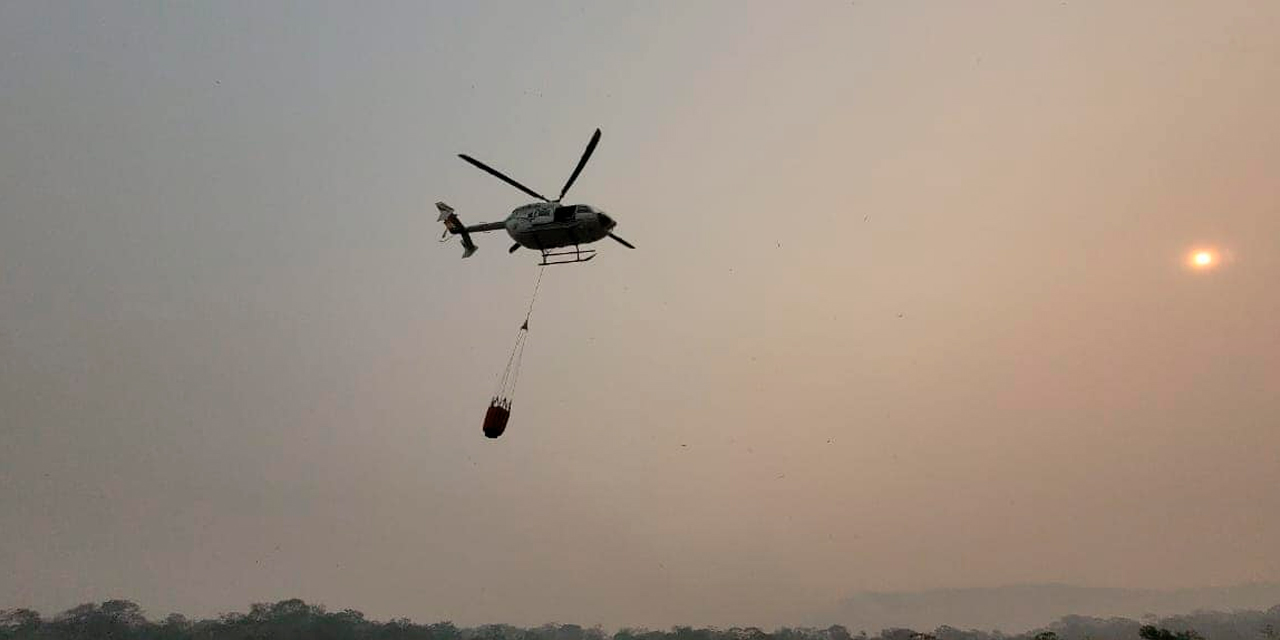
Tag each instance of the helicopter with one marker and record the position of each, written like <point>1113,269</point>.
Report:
<point>547,226</point>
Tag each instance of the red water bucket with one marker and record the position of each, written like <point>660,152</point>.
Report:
<point>495,419</point>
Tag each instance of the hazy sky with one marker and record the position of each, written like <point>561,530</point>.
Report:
<point>910,306</point>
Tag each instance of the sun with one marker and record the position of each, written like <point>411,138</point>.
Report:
<point>1203,259</point>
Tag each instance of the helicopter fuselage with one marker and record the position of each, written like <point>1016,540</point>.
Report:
<point>549,225</point>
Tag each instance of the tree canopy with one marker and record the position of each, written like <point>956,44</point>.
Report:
<point>295,619</point>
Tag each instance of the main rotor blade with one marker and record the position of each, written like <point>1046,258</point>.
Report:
<point>586,155</point>
<point>498,174</point>
<point>624,242</point>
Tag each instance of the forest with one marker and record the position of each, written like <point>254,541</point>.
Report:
<point>295,619</point>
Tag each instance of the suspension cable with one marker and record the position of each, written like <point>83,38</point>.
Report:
<point>537,285</point>
<point>511,375</point>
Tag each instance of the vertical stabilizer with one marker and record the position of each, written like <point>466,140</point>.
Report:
<point>455,226</point>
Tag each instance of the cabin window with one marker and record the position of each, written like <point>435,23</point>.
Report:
<point>565,214</point>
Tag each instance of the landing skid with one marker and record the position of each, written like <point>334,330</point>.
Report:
<point>552,256</point>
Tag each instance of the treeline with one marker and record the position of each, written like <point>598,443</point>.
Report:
<point>297,620</point>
